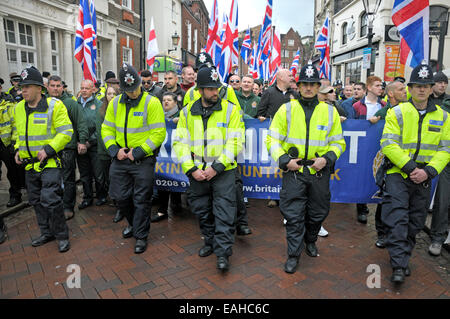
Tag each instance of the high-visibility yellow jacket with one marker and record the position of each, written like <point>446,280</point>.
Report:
<point>141,127</point>
<point>289,129</point>
<point>193,95</point>
<point>102,92</point>
<point>8,133</point>
<point>410,140</point>
<point>219,143</point>
<point>46,127</point>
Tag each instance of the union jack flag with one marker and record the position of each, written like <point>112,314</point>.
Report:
<point>412,18</point>
<point>229,51</point>
<point>213,43</point>
<point>86,39</point>
<point>265,43</point>
<point>295,64</point>
<point>322,44</point>
<point>246,48</point>
<point>275,57</point>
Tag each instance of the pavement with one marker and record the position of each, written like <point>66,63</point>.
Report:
<point>171,268</point>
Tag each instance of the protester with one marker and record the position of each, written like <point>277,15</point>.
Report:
<point>235,82</point>
<point>247,100</point>
<point>359,91</point>
<point>328,95</point>
<point>439,220</point>
<point>77,144</point>
<point>188,78</point>
<point>149,86</point>
<point>171,113</point>
<point>87,161</point>
<point>257,88</point>
<point>171,85</point>
<point>103,157</point>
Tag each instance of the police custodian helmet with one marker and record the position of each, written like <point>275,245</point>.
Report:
<point>202,59</point>
<point>31,76</point>
<point>309,74</point>
<point>208,77</point>
<point>422,74</point>
<point>129,78</point>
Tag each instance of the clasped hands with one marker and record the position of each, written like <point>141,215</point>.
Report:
<point>319,164</point>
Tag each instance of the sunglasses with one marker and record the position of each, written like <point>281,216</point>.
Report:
<point>234,81</point>
<point>146,82</point>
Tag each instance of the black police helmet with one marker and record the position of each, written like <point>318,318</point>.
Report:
<point>208,77</point>
<point>31,76</point>
<point>202,59</point>
<point>309,74</point>
<point>440,77</point>
<point>109,75</point>
<point>129,78</point>
<point>422,74</point>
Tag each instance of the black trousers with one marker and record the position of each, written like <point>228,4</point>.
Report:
<point>381,232</point>
<point>69,165</point>
<point>164,197</point>
<point>131,186</point>
<point>15,177</point>
<point>242,219</point>
<point>45,194</point>
<point>403,213</point>
<point>214,204</point>
<point>103,166</point>
<point>439,221</point>
<point>88,167</point>
<point>304,203</point>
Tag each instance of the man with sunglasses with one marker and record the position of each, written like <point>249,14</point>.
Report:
<point>235,82</point>
<point>149,86</point>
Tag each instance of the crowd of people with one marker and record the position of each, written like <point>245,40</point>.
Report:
<point>113,133</point>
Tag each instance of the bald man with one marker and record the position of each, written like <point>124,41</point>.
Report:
<point>87,157</point>
<point>276,95</point>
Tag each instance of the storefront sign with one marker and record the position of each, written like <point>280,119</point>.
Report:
<point>367,58</point>
<point>392,66</point>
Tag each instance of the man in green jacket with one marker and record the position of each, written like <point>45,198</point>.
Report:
<point>87,161</point>
<point>248,101</point>
<point>78,142</point>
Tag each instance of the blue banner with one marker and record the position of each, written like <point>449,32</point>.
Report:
<point>352,182</point>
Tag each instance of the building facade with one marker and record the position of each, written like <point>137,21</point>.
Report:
<point>290,43</point>
<point>42,33</point>
<point>195,19</point>
<point>348,38</point>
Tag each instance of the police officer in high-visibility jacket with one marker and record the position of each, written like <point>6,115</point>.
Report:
<point>43,129</point>
<point>416,139</point>
<point>133,131</point>
<point>208,138</point>
<point>305,139</point>
<point>226,93</point>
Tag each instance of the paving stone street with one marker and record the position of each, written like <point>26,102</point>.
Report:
<point>171,267</point>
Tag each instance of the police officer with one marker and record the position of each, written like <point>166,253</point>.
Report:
<point>14,90</point>
<point>7,139</point>
<point>209,136</point>
<point>44,129</point>
<point>133,131</point>
<point>227,93</point>
<point>416,139</point>
<point>305,138</point>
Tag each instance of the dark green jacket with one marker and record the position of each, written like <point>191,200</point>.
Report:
<point>79,124</point>
<point>446,104</point>
<point>249,105</point>
<point>383,111</point>
<point>90,111</point>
